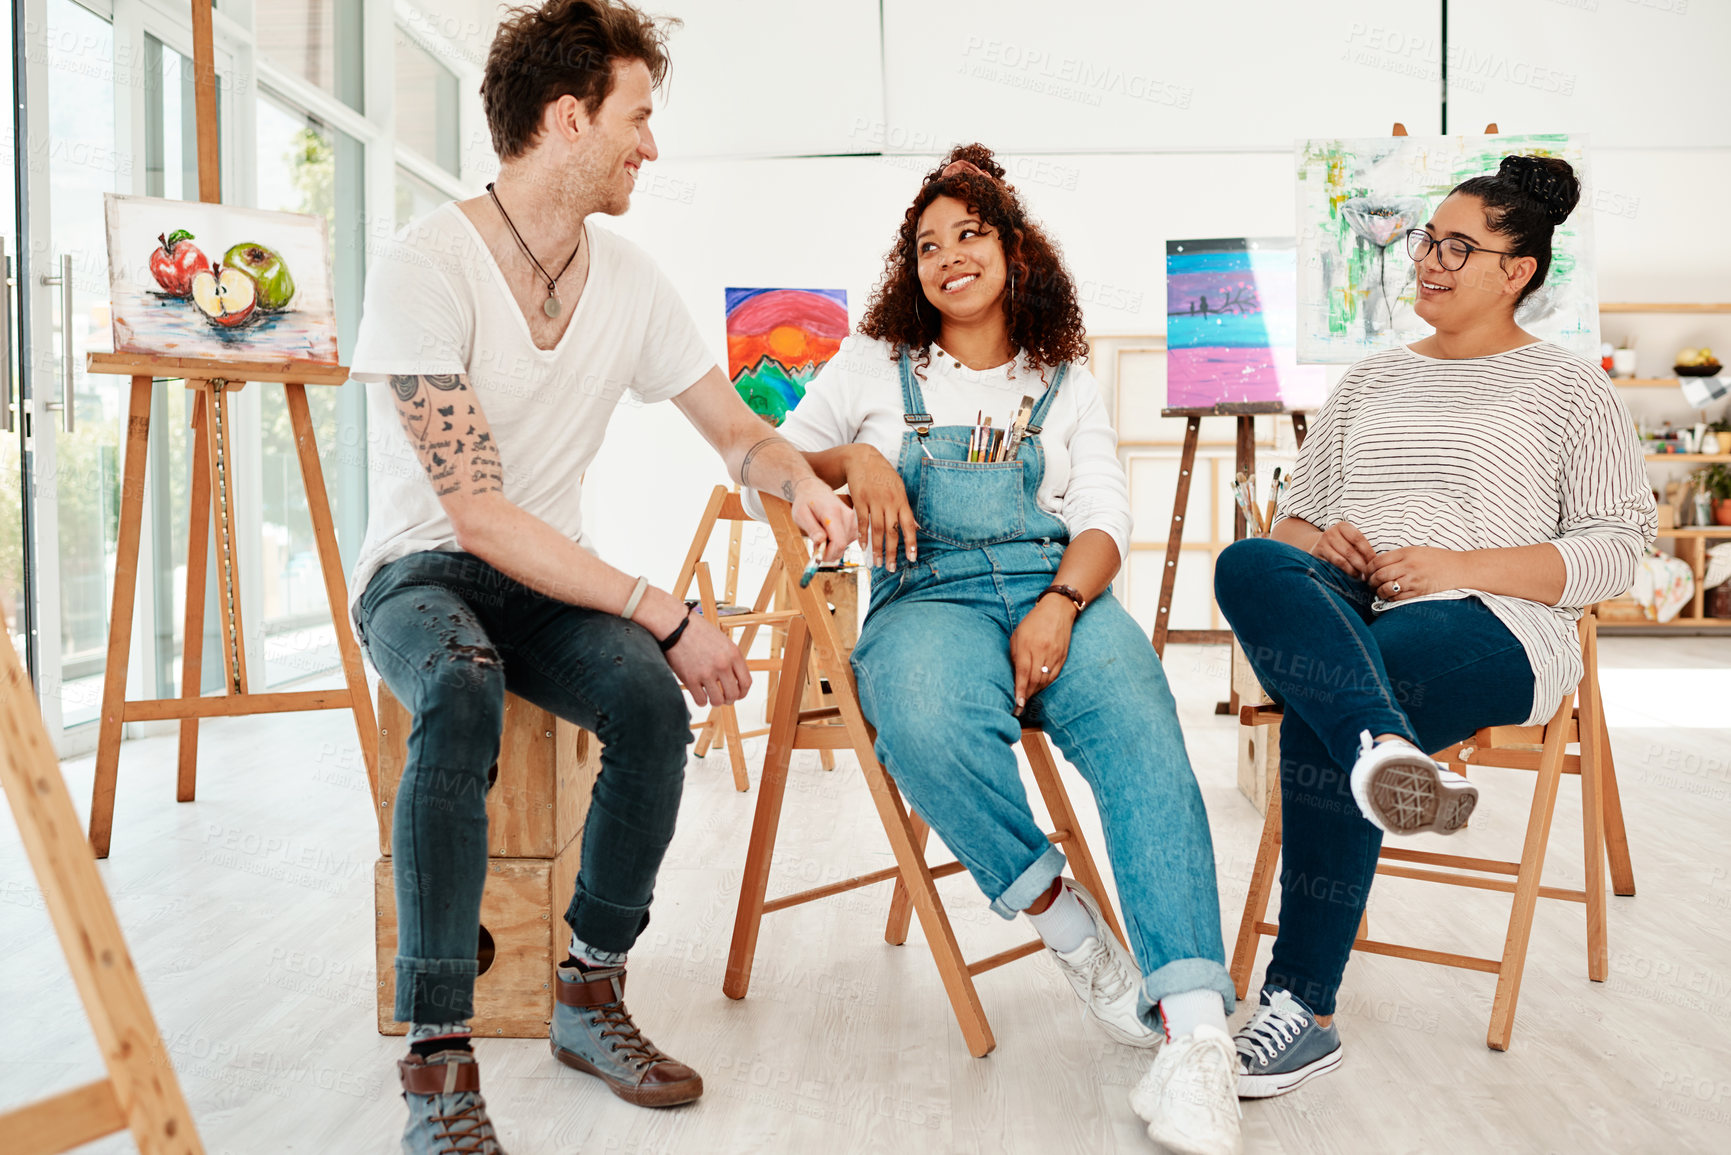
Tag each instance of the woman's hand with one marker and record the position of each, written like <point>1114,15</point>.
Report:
<point>1040,645</point>
<point>880,501</point>
<point>1344,547</point>
<point>1416,570</point>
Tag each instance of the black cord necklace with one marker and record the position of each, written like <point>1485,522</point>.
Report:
<point>551,305</point>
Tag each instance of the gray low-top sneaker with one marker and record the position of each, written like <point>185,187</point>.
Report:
<point>1403,790</point>
<point>1282,1047</point>
<point>593,1032</point>
<point>447,1115</point>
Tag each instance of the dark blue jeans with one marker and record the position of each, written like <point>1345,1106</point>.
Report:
<point>449,635</point>
<point>1433,672</point>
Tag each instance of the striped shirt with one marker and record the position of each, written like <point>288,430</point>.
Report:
<point>1526,446</point>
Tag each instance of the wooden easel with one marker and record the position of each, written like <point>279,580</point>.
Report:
<point>213,496</point>
<point>141,1093</point>
<point>1245,461</point>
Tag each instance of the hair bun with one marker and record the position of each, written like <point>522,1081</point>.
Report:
<point>1548,180</point>
<point>965,157</point>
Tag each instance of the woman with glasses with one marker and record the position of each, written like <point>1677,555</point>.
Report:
<point>1457,503</point>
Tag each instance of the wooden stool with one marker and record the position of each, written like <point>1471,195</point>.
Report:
<point>814,651</point>
<point>537,800</point>
<point>1579,719</point>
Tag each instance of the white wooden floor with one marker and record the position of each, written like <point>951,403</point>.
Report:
<point>249,913</point>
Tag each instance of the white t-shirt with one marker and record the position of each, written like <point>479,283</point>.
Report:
<point>857,397</point>
<point>436,302</point>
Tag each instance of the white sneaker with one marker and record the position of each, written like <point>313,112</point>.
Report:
<point>1106,978</point>
<point>1402,790</point>
<point>1190,1095</point>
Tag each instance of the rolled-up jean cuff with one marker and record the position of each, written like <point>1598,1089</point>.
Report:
<point>1187,974</point>
<point>1030,884</point>
<point>435,990</point>
<point>602,924</point>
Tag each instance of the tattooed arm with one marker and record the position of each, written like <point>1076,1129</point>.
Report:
<point>759,459</point>
<point>449,430</point>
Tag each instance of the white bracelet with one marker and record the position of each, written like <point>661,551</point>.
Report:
<point>636,597</point>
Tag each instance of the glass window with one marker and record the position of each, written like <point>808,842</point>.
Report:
<point>426,105</point>
<point>305,165</point>
<point>415,197</point>
<point>317,40</point>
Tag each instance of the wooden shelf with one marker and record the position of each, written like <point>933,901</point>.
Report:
<point>1689,457</point>
<point>1674,624</point>
<point>1697,531</point>
<point>1664,307</point>
<point>1650,382</point>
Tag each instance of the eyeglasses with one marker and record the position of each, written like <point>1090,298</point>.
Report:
<point>1451,249</point>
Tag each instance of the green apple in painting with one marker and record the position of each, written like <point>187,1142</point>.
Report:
<point>276,288</point>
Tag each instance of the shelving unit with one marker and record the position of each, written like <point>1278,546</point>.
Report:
<point>1689,543</point>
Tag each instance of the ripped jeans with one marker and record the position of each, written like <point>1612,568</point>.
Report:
<point>450,635</point>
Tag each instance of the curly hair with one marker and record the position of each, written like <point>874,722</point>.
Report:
<point>1039,302</point>
<point>563,48</point>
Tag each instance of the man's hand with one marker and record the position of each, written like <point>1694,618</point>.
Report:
<point>1345,548</point>
<point>1040,645</point>
<point>824,518</point>
<point>1417,570</point>
<point>710,665</point>
<point>886,523</point>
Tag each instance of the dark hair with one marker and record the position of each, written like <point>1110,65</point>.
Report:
<point>1525,201</point>
<point>1041,312</point>
<point>563,48</point>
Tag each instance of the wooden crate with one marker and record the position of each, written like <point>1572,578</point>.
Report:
<point>522,920</point>
<point>539,787</point>
<point>1258,746</point>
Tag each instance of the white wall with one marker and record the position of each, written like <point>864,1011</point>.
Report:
<point>1123,124</point>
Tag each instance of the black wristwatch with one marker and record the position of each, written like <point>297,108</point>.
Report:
<point>672,639</point>
<point>1069,592</point>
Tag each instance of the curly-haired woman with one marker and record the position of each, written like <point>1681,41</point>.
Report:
<point>990,611</point>
<point>1456,503</point>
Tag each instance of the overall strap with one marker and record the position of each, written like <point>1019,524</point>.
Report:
<point>913,400</point>
<point>1045,402</point>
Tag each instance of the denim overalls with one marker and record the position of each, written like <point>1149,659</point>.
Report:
<point>936,680</point>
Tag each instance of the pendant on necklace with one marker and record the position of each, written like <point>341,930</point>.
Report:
<point>551,306</point>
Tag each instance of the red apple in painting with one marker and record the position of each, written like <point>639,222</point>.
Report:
<point>176,262</point>
<point>225,294</point>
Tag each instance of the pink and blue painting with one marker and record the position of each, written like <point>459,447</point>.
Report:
<point>777,340</point>
<point>1232,326</point>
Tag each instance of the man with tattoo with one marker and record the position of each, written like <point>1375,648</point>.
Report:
<point>498,335</point>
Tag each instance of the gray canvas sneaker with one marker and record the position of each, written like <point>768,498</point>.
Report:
<point>593,1032</point>
<point>447,1115</point>
<point>1282,1047</point>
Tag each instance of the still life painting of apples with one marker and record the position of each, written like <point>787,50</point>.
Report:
<point>200,280</point>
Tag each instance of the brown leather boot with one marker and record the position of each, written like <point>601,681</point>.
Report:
<point>593,1032</point>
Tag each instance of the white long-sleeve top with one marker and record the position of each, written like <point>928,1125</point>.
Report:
<point>857,397</point>
<point>1524,447</point>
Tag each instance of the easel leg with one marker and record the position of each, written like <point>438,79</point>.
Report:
<point>218,454</point>
<point>336,589</point>
<point>197,579</point>
<point>120,618</point>
<point>1175,535</point>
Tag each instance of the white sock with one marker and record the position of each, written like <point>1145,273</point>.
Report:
<point>1066,924</point>
<point>1187,1010</point>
